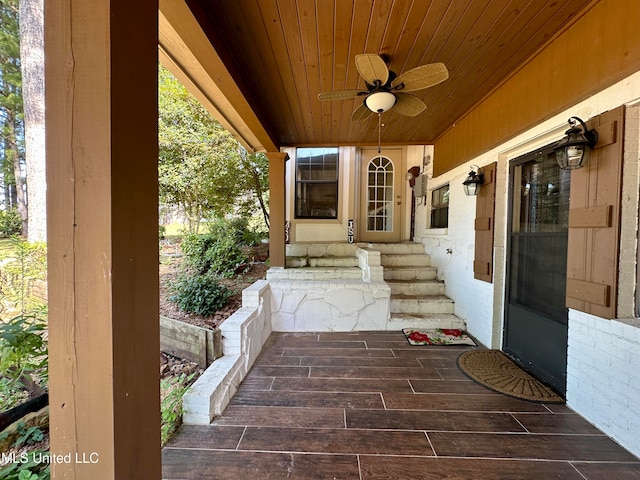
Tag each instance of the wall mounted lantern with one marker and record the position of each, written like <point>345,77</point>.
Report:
<point>572,151</point>
<point>412,174</point>
<point>473,182</point>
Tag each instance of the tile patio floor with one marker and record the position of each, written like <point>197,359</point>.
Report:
<point>369,406</point>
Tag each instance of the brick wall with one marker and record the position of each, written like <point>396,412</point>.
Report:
<point>452,252</point>
<point>603,375</point>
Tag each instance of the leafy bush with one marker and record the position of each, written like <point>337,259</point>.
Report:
<point>28,435</point>
<point>224,257</point>
<point>173,389</point>
<point>32,468</point>
<point>12,393</point>
<point>233,228</point>
<point>23,265</point>
<point>252,238</point>
<point>10,222</point>
<point>201,294</point>
<point>195,246</point>
<point>217,251</point>
<point>23,353</point>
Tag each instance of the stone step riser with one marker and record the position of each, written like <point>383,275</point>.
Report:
<point>417,288</point>
<point>300,262</point>
<point>315,274</point>
<point>405,260</point>
<point>395,248</point>
<point>333,262</point>
<point>421,307</point>
<point>426,322</point>
<point>425,273</point>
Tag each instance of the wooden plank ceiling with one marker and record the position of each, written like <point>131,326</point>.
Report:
<point>282,53</point>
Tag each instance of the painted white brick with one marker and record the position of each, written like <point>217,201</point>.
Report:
<point>603,378</point>
<point>243,335</point>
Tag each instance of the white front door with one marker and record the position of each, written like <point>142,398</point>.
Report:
<point>381,204</point>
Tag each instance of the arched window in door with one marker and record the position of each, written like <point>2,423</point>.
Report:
<point>380,193</point>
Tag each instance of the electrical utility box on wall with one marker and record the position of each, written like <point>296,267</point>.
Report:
<point>420,186</point>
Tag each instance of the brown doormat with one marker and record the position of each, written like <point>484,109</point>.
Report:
<point>496,371</point>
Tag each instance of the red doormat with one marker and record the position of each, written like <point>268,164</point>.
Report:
<point>437,336</point>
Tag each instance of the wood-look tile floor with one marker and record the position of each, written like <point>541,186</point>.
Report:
<point>367,405</point>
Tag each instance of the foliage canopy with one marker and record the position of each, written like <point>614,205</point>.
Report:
<point>202,168</point>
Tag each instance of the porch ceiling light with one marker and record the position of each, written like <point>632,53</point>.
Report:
<point>573,150</point>
<point>380,102</point>
<point>473,182</point>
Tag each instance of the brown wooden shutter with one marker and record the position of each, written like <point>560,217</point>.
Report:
<point>594,221</point>
<point>484,225</point>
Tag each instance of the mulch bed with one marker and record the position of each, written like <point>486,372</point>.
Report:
<point>172,366</point>
<point>170,269</point>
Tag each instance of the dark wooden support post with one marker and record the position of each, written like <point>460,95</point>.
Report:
<point>277,210</point>
<point>101,127</point>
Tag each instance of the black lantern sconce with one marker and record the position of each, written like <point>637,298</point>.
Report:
<point>473,182</point>
<point>573,150</point>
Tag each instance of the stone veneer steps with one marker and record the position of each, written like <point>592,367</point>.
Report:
<point>417,297</point>
<point>319,262</point>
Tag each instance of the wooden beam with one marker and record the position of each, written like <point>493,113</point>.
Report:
<point>102,208</point>
<point>277,211</point>
<point>187,53</point>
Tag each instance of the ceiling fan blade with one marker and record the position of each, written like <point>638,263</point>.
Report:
<point>407,104</point>
<point>421,77</point>
<point>361,113</point>
<point>340,94</point>
<point>372,67</point>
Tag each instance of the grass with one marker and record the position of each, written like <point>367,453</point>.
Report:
<point>174,229</point>
<point>5,245</point>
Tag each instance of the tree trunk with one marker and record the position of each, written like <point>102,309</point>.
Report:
<point>259,193</point>
<point>32,66</point>
<point>15,158</point>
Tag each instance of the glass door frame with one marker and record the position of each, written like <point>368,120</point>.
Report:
<point>558,332</point>
<point>396,156</point>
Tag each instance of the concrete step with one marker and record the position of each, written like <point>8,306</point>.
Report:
<point>395,248</point>
<point>327,261</point>
<point>405,260</point>
<point>333,261</point>
<point>400,320</point>
<point>421,305</point>
<point>416,287</point>
<point>321,249</point>
<point>315,273</point>
<point>410,273</point>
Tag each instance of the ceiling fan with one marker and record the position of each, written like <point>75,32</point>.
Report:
<point>386,90</point>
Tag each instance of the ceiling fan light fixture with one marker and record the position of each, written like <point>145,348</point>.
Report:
<point>380,102</point>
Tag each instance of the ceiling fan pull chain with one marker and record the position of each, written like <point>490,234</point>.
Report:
<point>379,130</point>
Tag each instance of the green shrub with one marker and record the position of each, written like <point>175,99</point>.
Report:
<point>172,390</point>
<point>23,350</point>
<point>224,257</point>
<point>10,222</point>
<point>201,294</point>
<point>12,393</point>
<point>30,468</point>
<point>24,264</point>
<point>217,251</point>
<point>194,246</point>
<point>233,228</point>
<point>251,238</point>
